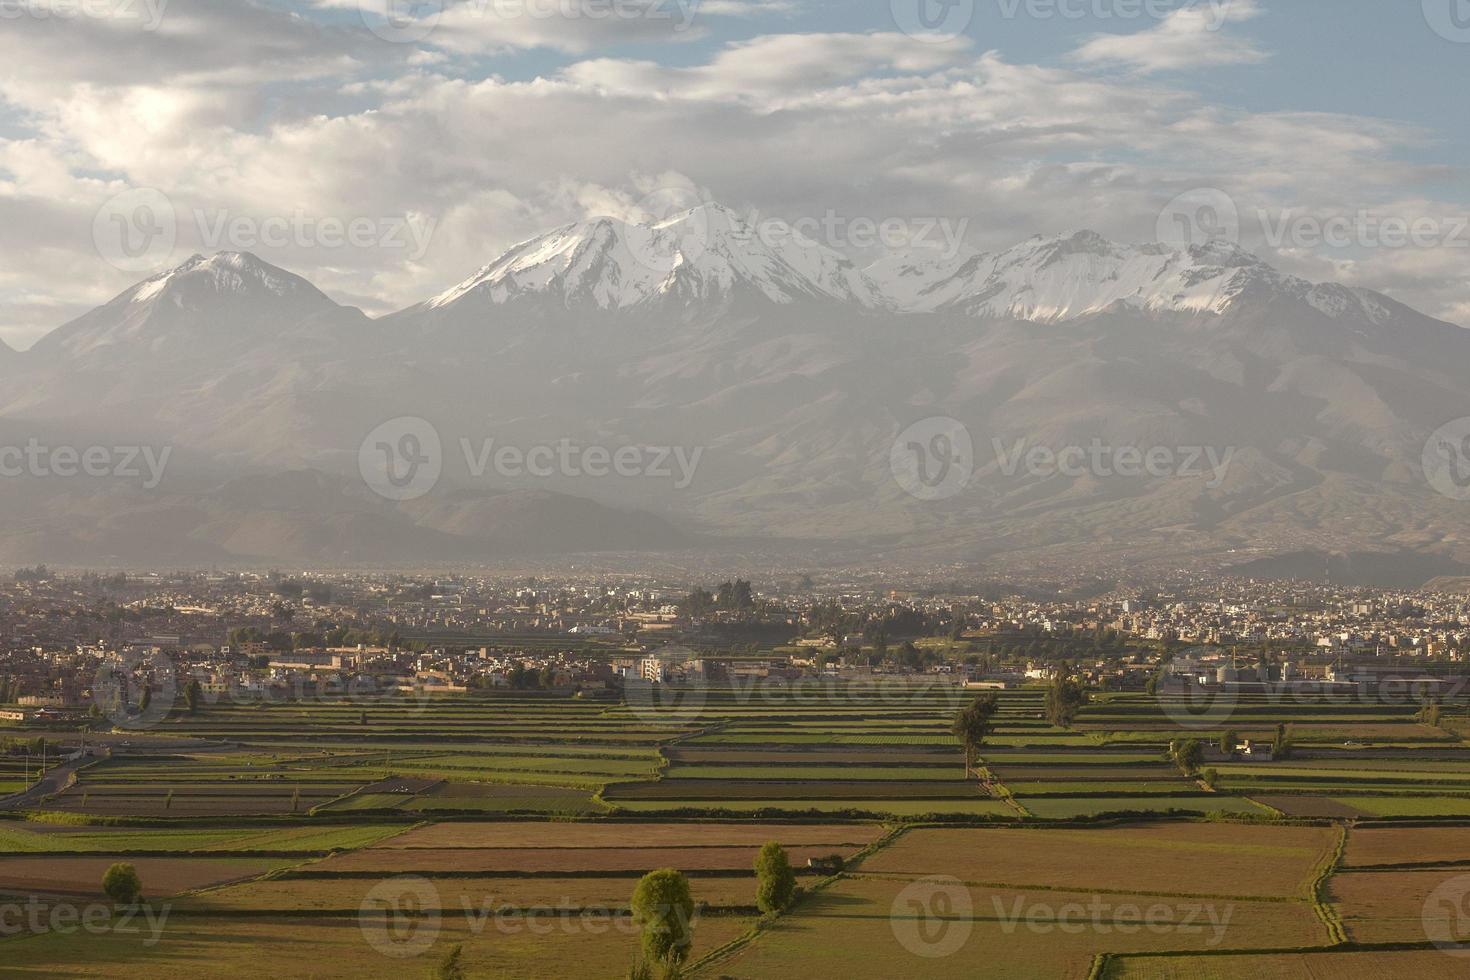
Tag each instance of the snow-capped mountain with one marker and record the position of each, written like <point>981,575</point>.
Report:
<point>794,372</point>
<point>708,255</point>
<point>1067,277</point>
<point>231,300</point>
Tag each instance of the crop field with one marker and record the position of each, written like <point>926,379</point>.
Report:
<point>162,877</point>
<point>1359,965</point>
<point>270,828</point>
<point>1241,860</point>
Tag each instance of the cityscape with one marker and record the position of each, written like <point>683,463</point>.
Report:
<point>734,489</point>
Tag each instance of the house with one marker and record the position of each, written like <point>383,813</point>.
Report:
<point>1260,751</point>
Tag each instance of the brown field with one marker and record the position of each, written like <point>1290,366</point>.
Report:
<point>161,876</point>
<point>1390,906</point>
<point>857,928</point>
<point>456,894</point>
<point>1406,845</point>
<point>1367,965</point>
<point>511,859</point>
<point>1195,858</point>
<point>531,834</point>
<point>302,948</point>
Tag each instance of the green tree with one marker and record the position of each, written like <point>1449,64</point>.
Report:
<point>121,884</point>
<point>1228,742</point>
<point>664,911</point>
<point>193,694</point>
<point>775,881</point>
<point>451,967</point>
<point>1064,699</point>
<point>1187,754</point>
<point>972,726</point>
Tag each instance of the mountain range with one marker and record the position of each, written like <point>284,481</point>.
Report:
<point>789,371</point>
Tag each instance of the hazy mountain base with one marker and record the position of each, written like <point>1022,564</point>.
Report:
<point>249,375</point>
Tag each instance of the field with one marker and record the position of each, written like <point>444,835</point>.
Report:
<point>522,825</point>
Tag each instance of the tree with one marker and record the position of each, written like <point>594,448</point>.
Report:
<point>452,966</point>
<point>193,693</point>
<point>664,911</point>
<point>775,881</point>
<point>1211,777</point>
<point>1281,745</point>
<point>1187,754</point>
<point>972,726</point>
<point>1228,742</point>
<point>121,884</point>
<point>1064,699</point>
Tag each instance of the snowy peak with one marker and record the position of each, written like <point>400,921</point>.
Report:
<point>1064,277</point>
<point>228,299</point>
<point>225,274</point>
<point>708,253</point>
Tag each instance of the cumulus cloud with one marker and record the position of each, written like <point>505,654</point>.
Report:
<point>1194,36</point>
<point>862,124</point>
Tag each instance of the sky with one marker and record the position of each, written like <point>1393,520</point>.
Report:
<point>386,149</point>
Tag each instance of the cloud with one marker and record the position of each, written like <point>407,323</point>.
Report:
<point>791,125</point>
<point>1194,36</point>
